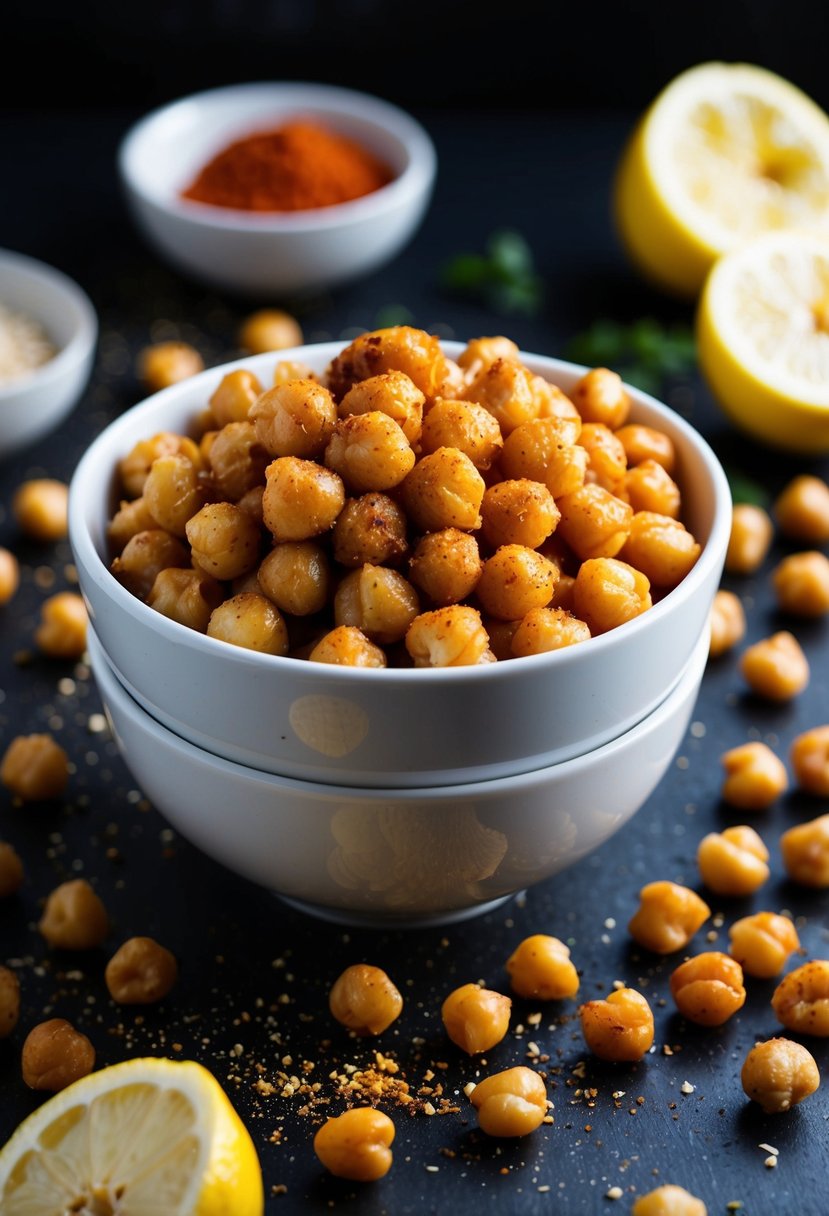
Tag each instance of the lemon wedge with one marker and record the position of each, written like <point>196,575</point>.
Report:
<point>763,338</point>
<point>148,1137</point>
<point>725,153</point>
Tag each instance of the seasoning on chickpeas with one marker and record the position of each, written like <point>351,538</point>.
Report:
<point>733,862</point>
<point>347,646</point>
<point>236,393</point>
<point>810,761</point>
<point>166,363</point>
<point>364,999</point>
<point>600,396</point>
<point>186,596</point>
<point>801,584</point>
<point>511,1103</point>
<point>540,967</point>
<point>545,629</point>
<point>754,776</point>
<point>669,1200</point>
<point>35,768</point>
<point>61,633</point>
<point>514,580</point>
<point>449,637</point>
<point>776,667</point>
<point>41,507</point>
<point>377,600</point>
<point>11,870</point>
<point>708,988</point>
<point>355,1144</point>
<point>661,548</point>
<point>9,1001</point>
<point>728,623</point>
<point>778,1073</point>
<point>9,575</point>
<point>140,972</point>
<point>620,1028</point>
<point>55,1055</point>
<point>750,539</point>
<point>801,999</point>
<point>762,943</point>
<point>251,621</point>
<point>269,329</point>
<point>476,1018</point>
<point>802,510</point>
<point>295,418</point>
<point>446,566</point>
<point>145,554</point>
<point>74,917</point>
<point>805,851</point>
<point>372,528</point>
<point>668,916</point>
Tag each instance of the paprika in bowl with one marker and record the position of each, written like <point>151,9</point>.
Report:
<point>269,188</point>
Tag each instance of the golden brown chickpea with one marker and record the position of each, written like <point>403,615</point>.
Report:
<point>661,548</point>
<point>728,623</point>
<point>751,536</point>
<point>669,1200</point>
<point>708,988</point>
<point>805,850</point>
<point>355,1144</point>
<point>668,916</point>
<point>500,634</point>
<point>378,601</point>
<point>801,583</point>
<point>347,646</point>
<point>391,393</point>
<point>269,329</point>
<point>776,667</point>
<point>546,450</point>
<point>173,493</point>
<point>186,596</point>
<point>370,452</point>
<point>552,402</point>
<point>234,396</point>
<point>292,369</point>
<point>55,1055</point>
<point>801,999</point>
<point>237,460</point>
<point>61,633</point>
<point>74,917</point>
<point>9,575</point>
<point>481,353</point>
<point>475,1018</point>
<point>296,577</point>
<point>302,499</point>
<point>810,761</point>
<point>505,388</point>
<point>251,621</point>
<point>11,870</point>
<point>594,522</point>
<point>802,510</point>
<point>9,1001</point>
<point>399,348</point>
<point>144,555</point>
<point>446,566</point>
<point>515,580</point>
<point>464,425</point>
<point>647,487</point>
<point>40,508</point>
<point>620,1028</point>
<point>778,1074</point>
<point>296,418</point>
<point>365,1000</point>
<point>564,596</point>
<point>600,396</point>
<point>141,972</point>
<point>608,592</point>
<point>166,363</point>
<point>645,444</point>
<point>130,519</point>
<point>755,776</point>
<point>224,540</point>
<point>518,512</point>
<point>761,943</point>
<point>510,1103</point>
<point>545,629</point>
<point>444,490</point>
<point>540,968</point>
<point>733,862</point>
<point>251,503</point>
<point>134,467</point>
<point>35,768</point>
<point>606,458</point>
<point>371,528</point>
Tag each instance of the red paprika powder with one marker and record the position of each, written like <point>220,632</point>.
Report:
<point>298,167</point>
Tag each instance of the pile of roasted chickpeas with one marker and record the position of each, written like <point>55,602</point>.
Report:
<point>404,509</point>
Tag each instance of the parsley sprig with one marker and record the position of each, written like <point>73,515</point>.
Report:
<point>646,353</point>
<point>503,277</point>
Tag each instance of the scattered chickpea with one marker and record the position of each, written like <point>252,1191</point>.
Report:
<point>41,507</point>
<point>269,329</point>
<point>810,761</point>
<point>668,916</point>
<point>55,1055</point>
<point>778,1074</point>
<point>761,943</point>
<point>476,1018</point>
<point>62,630</point>
<point>734,861</point>
<point>11,870</point>
<point>755,776</point>
<point>510,1103</point>
<point>141,972</point>
<point>802,510</point>
<point>708,988</point>
<point>801,583</point>
<point>74,917</point>
<point>750,539</point>
<point>355,1144</point>
<point>805,850</point>
<point>728,623</point>
<point>669,1200</point>
<point>801,999</point>
<point>9,575</point>
<point>540,967</point>
<point>619,1028</point>
<point>166,363</point>
<point>365,1000</point>
<point>35,768</point>
<point>9,1001</point>
<point>776,667</point>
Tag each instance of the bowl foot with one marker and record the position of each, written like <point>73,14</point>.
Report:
<point>388,919</point>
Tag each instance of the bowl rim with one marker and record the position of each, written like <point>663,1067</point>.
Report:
<point>81,310</point>
<point>417,176</point>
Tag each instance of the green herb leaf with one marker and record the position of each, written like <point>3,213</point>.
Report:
<point>503,278</point>
<point>646,353</point>
<point>744,489</point>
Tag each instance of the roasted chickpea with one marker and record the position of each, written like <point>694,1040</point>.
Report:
<point>776,667</point>
<point>74,917</point>
<point>802,510</point>
<point>302,499</point>
<point>369,451</point>
<point>391,393</point>
<point>365,1000</point>
<point>510,1103</point>
<point>545,629</point>
<point>444,490</point>
<point>55,1055</point>
<point>173,492</point>
<point>644,444</point>
<point>594,522</point>
<point>801,584</point>
<point>9,1001</point>
<point>186,596</point>
<point>728,623</point>
<point>761,943</point>
<point>778,1074</point>
<point>296,576</point>
<point>464,425</point>
<point>734,861</point>
<point>505,388</point>
<point>810,761</point>
<point>606,458</point>
<point>61,633</point>
<point>600,396</point>
<point>481,353</point>
<point>518,512</point>
<point>661,548</point>
<point>607,592</point>
<point>449,637</point>
<point>224,540</point>
<point>668,916</point>
<point>134,467</point>
<point>446,566</point>
<point>801,999</point>
<point>295,418</point>
<point>805,850</point>
<point>236,393</point>
<point>751,536</point>
<point>564,596</point>
<point>552,402</point>
<point>669,1200</point>
<point>9,575</point>
<point>251,621</point>
<point>355,1145</point>
<point>647,487</point>
<point>540,968</point>
<point>40,507</point>
<point>130,519</point>
<point>399,348</point>
<point>347,646</point>
<point>141,972</point>
<point>475,1018</point>
<point>377,600</point>
<point>166,363</point>
<point>546,450</point>
<point>269,329</point>
<point>237,460</point>
<point>144,555</point>
<point>500,634</point>
<point>708,988</point>
<point>35,768</point>
<point>371,528</point>
<point>755,776</point>
<point>619,1028</point>
<point>292,369</point>
<point>515,580</point>
<point>11,870</point>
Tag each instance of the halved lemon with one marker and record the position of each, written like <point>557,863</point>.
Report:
<point>763,338</point>
<point>725,153</point>
<point>148,1137</point>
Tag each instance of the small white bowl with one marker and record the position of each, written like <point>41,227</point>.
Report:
<point>385,856</point>
<point>263,253</point>
<point>320,722</point>
<point>34,404</point>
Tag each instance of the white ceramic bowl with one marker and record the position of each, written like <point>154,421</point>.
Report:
<point>352,726</point>
<point>267,253</point>
<point>33,405</point>
<point>380,855</point>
